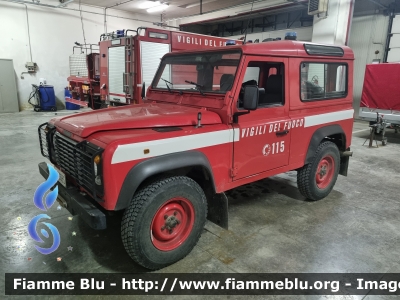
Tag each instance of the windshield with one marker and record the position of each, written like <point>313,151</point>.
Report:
<point>202,72</point>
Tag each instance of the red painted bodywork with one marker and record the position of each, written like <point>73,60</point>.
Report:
<point>135,117</point>
<point>234,163</point>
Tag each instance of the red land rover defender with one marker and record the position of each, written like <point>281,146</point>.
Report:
<point>211,121</point>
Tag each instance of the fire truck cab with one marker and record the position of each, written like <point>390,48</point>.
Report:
<point>212,120</point>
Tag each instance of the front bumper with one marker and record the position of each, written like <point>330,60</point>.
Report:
<point>77,204</point>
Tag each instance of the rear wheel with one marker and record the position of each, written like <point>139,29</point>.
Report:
<point>164,221</point>
<point>316,179</point>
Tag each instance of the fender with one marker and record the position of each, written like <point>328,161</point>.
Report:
<point>157,165</point>
<point>319,135</point>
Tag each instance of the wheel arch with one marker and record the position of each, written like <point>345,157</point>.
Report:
<point>193,164</point>
<point>333,133</point>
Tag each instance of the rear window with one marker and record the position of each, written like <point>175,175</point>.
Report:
<point>323,81</point>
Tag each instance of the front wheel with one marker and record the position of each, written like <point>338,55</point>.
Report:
<point>316,179</point>
<point>164,221</point>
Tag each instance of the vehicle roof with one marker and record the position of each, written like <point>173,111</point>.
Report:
<point>279,48</point>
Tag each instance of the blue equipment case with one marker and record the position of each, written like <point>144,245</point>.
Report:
<point>46,98</point>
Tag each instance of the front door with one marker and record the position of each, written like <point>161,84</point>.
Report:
<point>264,133</point>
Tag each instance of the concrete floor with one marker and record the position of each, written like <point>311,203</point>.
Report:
<point>272,227</point>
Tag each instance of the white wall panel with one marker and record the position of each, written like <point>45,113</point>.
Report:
<point>394,53</point>
<point>368,34</point>
<point>53,34</point>
<point>396,24</point>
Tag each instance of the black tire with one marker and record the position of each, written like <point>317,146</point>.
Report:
<point>306,176</point>
<point>137,222</point>
<point>53,108</point>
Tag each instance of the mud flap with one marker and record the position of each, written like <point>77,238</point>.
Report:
<point>344,165</point>
<point>344,161</point>
<point>218,210</point>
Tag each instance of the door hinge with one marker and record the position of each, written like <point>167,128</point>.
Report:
<point>234,171</point>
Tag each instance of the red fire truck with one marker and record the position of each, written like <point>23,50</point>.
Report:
<point>212,120</point>
<point>126,62</point>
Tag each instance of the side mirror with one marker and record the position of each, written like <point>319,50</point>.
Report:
<point>143,90</point>
<point>250,98</point>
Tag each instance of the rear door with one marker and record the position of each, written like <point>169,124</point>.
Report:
<point>265,133</point>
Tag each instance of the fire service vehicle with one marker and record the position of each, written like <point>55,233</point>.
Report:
<point>212,120</point>
<point>112,73</point>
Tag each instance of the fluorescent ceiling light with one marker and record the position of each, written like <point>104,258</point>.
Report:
<point>148,4</point>
<point>158,8</point>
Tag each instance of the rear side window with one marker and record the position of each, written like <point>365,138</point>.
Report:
<point>323,81</point>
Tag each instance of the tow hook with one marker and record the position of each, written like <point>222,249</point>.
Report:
<point>346,153</point>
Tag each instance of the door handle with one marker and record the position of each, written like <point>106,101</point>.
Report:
<point>282,133</point>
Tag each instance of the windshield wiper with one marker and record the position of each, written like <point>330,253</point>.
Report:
<point>166,81</point>
<point>198,86</point>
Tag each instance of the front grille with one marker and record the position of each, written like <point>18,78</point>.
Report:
<point>76,159</point>
<point>43,140</point>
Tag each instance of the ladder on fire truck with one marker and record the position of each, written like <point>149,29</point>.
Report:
<point>129,69</point>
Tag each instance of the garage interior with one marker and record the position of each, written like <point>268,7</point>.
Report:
<point>272,227</point>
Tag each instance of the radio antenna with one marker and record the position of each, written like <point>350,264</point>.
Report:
<point>248,22</point>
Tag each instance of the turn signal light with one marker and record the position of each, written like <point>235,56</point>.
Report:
<point>97,159</point>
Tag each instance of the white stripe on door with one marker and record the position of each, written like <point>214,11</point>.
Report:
<point>134,151</point>
<point>328,117</point>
